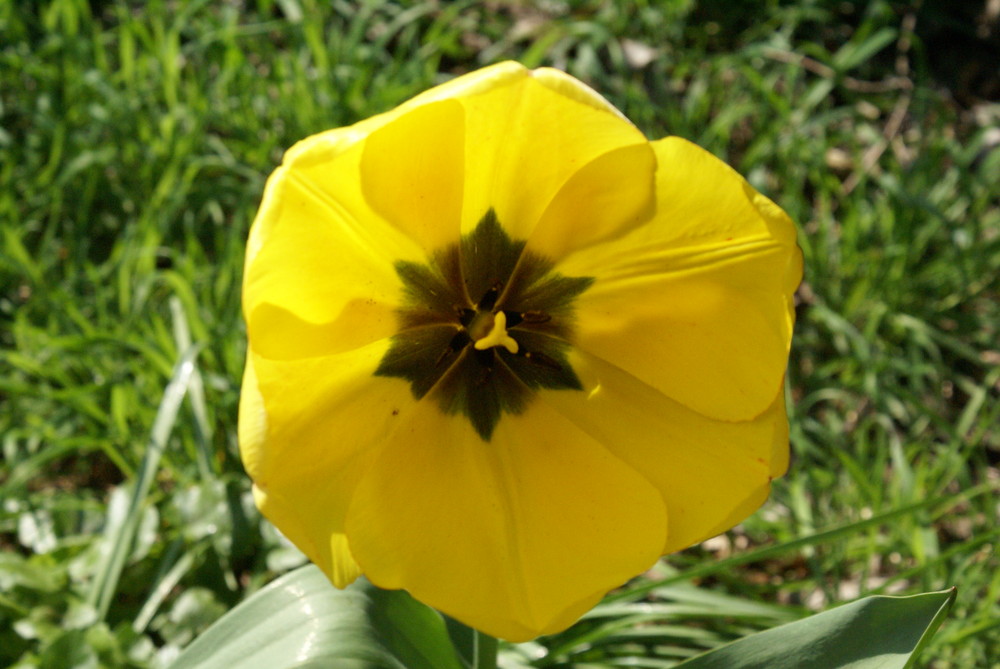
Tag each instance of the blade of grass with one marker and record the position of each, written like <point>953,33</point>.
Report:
<point>825,537</point>
<point>120,534</point>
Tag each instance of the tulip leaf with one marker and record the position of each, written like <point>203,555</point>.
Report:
<point>301,620</point>
<point>872,633</point>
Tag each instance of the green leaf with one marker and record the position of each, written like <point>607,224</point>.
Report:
<point>853,54</point>
<point>128,506</point>
<point>871,633</point>
<point>301,620</point>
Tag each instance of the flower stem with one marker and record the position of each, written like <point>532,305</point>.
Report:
<point>476,649</point>
<point>484,651</point>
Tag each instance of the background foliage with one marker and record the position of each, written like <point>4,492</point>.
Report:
<point>135,138</point>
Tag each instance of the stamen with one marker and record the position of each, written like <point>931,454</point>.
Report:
<point>535,317</point>
<point>497,336</point>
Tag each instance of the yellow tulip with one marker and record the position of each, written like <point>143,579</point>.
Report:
<point>505,352</point>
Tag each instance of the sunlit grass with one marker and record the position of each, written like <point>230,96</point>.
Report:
<point>134,143</point>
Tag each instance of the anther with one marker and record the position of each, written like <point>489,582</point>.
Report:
<point>535,317</point>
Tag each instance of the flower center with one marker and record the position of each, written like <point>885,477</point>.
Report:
<point>483,359</point>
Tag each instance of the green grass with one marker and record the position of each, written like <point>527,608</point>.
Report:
<point>134,143</point>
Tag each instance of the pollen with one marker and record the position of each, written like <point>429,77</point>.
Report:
<point>497,336</point>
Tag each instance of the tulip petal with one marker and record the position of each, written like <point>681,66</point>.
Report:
<point>696,302</point>
<point>525,141</point>
<point>518,139</point>
<point>605,198</point>
<point>711,474</point>
<point>412,172</point>
<point>308,429</point>
<point>319,275</point>
<point>516,537</point>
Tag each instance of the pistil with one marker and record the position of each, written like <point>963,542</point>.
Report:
<point>497,336</point>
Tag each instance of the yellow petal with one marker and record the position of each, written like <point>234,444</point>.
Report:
<point>696,302</point>
<point>516,537</point>
<point>509,139</point>
<point>472,83</point>
<point>524,141</point>
<point>710,474</point>
<point>252,427</point>
<point>572,88</point>
<point>319,274</point>
<point>412,171</point>
<point>308,429</point>
<point>606,197</point>
<point>328,549</point>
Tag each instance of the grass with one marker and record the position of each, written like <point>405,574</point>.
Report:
<point>134,143</point>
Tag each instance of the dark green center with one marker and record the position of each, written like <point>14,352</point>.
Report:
<point>451,302</point>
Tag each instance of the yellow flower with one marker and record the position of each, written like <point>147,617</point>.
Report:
<point>504,352</point>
